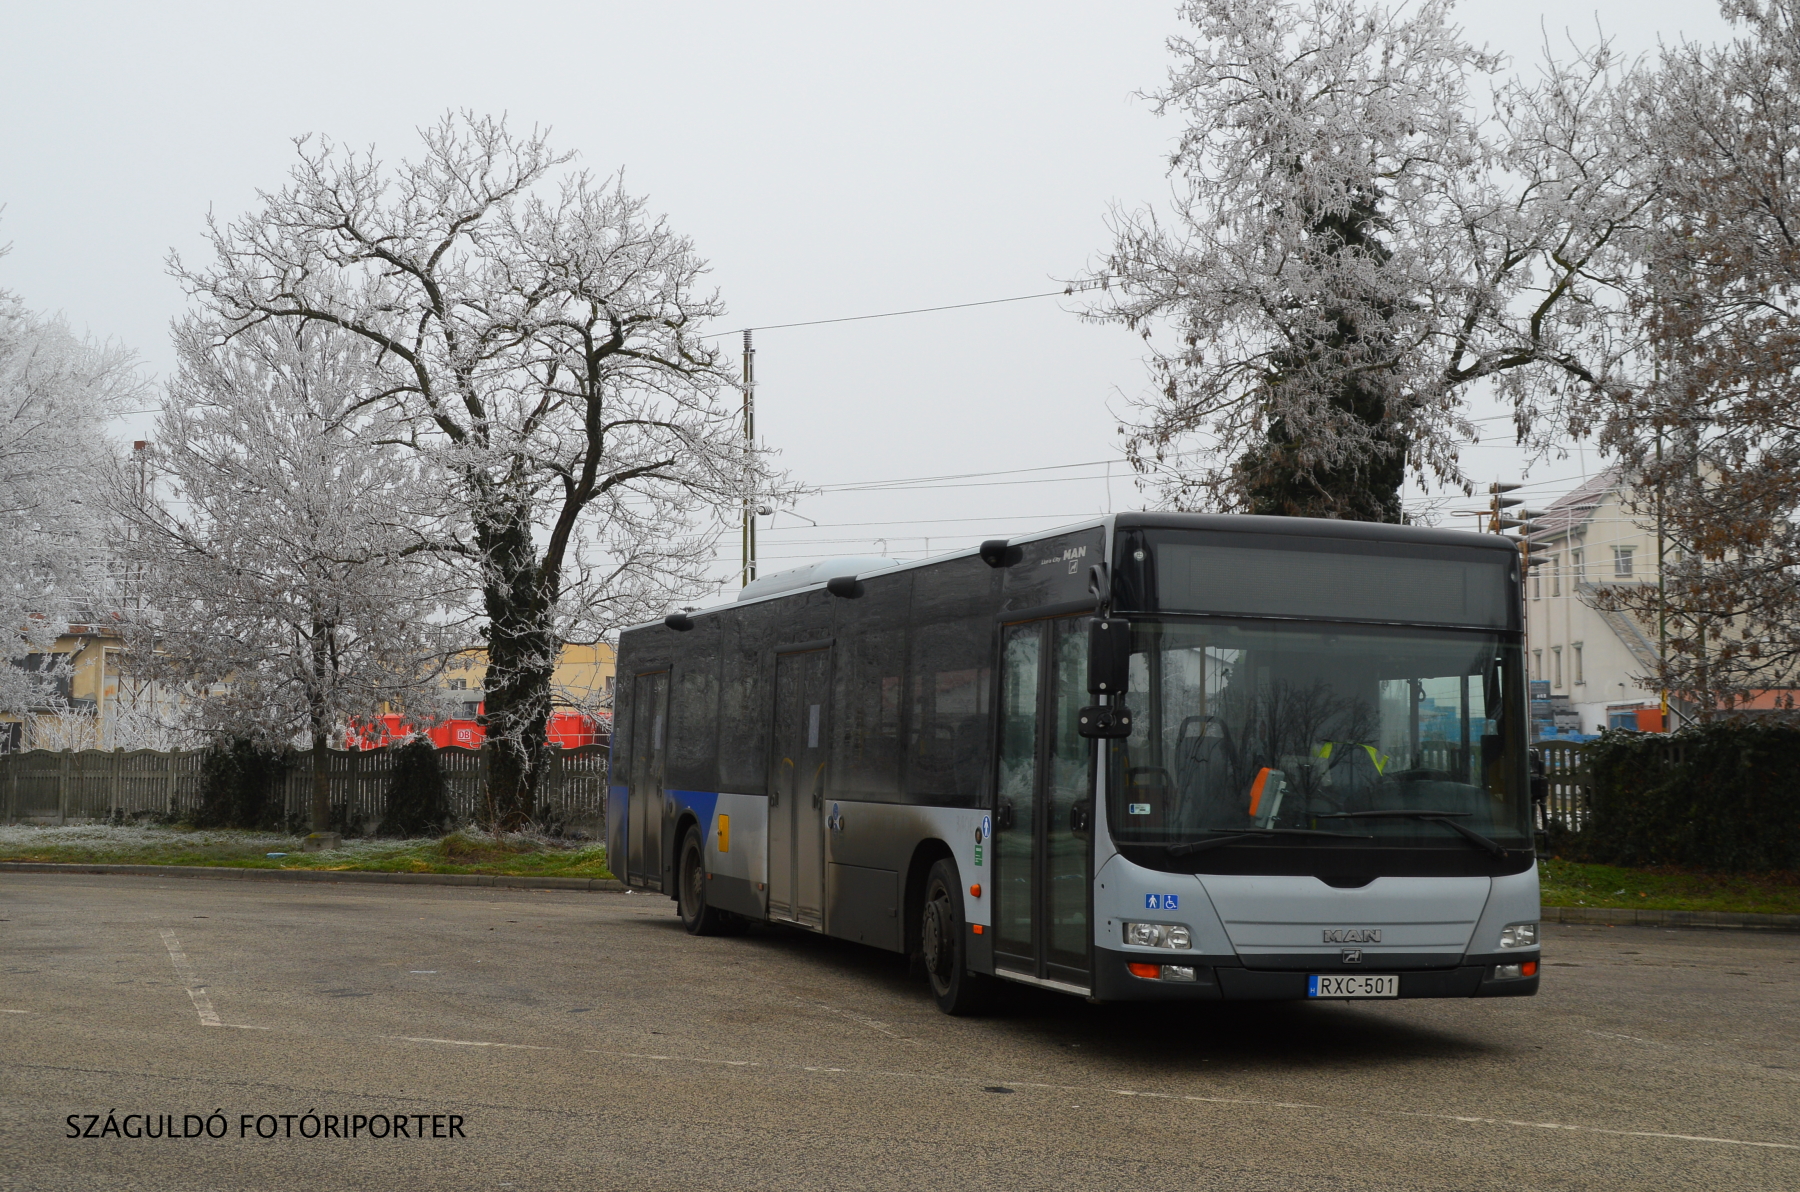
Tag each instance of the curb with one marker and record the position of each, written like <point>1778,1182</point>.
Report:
<point>1630,917</point>
<point>600,884</point>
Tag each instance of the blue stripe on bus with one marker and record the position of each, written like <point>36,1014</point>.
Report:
<point>702,804</point>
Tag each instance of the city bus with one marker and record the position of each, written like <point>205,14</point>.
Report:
<point>1154,756</point>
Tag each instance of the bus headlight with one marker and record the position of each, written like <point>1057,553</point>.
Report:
<point>1158,935</point>
<point>1519,935</point>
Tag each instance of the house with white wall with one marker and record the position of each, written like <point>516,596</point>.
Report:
<point>1601,662</point>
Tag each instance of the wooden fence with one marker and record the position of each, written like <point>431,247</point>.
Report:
<point>46,786</point>
<point>1565,765</point>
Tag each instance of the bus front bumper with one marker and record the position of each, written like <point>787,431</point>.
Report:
<point>1209,978</point>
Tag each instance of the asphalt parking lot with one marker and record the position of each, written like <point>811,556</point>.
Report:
<point>586,1042</point>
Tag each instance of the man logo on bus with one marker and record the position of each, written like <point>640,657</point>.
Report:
<point>1353,935</point>
<point>1162,902</point>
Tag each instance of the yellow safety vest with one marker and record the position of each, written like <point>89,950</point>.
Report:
<point>1379,759</point>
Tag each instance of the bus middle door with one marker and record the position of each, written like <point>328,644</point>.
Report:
<point>1042,826</point>
<point>797,787</point>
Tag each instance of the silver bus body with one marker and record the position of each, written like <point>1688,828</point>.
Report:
<point>831,736</point>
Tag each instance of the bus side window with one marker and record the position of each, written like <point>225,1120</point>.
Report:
<point>950,683</point>
<point>951,691</point>
<point>618,758</point>
<point>871,669</point>
<point>693,741</point>
<point>744,707</point>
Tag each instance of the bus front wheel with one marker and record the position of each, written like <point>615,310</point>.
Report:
<point>944,945</point>
<point>696,916</point>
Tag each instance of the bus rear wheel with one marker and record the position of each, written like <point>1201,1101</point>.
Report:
<point>944,945</point>
<point>696,916</point>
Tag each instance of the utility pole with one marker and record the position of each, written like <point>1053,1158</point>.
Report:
<point>749,535</point>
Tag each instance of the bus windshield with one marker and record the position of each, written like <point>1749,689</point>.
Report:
<point>1323,734</point>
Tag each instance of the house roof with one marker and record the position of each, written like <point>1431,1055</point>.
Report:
<point>1569,511</point>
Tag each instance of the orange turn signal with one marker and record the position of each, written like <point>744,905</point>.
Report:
<point>976,928</point>
<point>1150,972</point>
<point>1529,968</point>
<point>975,890</point>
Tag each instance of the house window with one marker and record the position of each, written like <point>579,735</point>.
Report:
<point>1556,666</point>
<point>459,684</point>
<point>1537,586</point>
<point>1537,664</point>
<point>1580,678</point>
<point>1622,561</point>
<point>609,683</point>
<point>1556,575</point>
<point>1577,569</point>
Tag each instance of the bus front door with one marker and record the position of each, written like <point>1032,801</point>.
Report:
<point>797,788</point>
<point>644,817</point>
<point>1042,822</point>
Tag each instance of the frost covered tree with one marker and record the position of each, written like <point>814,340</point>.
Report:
<point>539,334</point>
<point>1352,245</point>
<point>277,561</point>
<point>1715,441</point>
<point>57,393</point>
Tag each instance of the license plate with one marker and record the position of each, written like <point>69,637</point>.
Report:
<point>1353,985</point>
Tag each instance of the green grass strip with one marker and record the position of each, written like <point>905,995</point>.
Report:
<point>456,853</point>
<point>1567,883</point>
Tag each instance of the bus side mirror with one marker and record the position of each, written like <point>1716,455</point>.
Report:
<point>1109,656</point>
<point>845,587</point>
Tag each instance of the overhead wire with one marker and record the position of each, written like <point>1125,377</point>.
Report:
<point>853,485</point>
<point>1072,288</point>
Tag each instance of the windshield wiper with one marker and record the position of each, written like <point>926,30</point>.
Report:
<point>1446,818</point>
<point>1200,846</point>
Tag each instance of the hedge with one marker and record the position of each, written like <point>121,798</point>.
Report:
<point>240,785</point>
<point>415,797</point>
<point>1722,797</point>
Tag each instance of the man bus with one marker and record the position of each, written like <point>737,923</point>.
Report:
<point>1150,757</point>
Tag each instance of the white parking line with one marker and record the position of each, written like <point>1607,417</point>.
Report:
<point>1784,1146</point>
<point>1219,1100</point>
<point>632,1055</point>
<point>15,1011</point>
<point>859,1019</point>
<point>196,991</point>
<point>184,970</point>
<point>469,1043</point>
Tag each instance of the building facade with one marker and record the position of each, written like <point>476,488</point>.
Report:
<point>1596,667</point>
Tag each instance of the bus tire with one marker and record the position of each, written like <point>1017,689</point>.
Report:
<point>696,915</point>
<point>944,945</point>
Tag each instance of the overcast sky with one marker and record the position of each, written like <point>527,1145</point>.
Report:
<point>829,159</point>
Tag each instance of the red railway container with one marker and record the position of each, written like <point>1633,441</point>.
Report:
<point>568,729</point>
